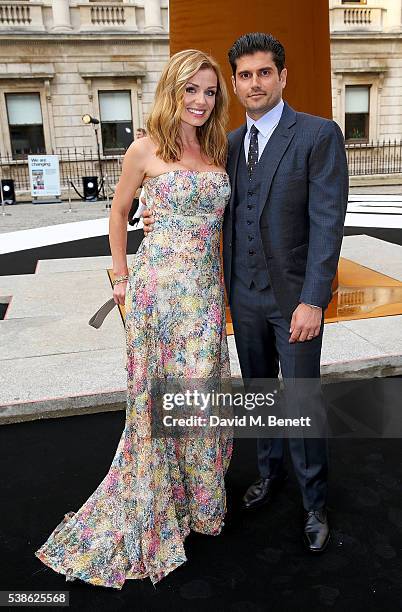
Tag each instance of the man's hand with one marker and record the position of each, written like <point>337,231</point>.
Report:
<point>147,218</point>
<point>305,323</point>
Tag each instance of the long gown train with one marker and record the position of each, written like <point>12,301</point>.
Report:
<point>158,489</point>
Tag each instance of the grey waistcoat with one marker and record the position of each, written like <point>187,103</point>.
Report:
<point>248,257</point>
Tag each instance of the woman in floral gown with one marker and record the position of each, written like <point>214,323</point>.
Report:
<point>159,488</point>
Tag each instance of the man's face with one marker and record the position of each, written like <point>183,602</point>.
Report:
<point>139,134</point>
<point>257,83</point>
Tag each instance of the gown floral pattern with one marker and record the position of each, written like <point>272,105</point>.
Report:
<point>158,489</point>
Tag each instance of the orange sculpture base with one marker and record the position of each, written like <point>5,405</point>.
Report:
<point>359,293</point>
<point>362,293</point>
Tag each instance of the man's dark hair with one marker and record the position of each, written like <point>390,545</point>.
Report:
<point>257,41</point>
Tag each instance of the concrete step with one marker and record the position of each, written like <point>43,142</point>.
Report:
<point>52,363</point>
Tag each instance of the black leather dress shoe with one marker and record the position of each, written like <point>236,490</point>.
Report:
<point>261,491</point>
<point>316,530</point>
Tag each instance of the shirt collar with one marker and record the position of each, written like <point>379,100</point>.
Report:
<point>267,122</point>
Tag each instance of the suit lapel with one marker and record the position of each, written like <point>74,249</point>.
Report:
<point>236,148</point>
<point>274,151</point>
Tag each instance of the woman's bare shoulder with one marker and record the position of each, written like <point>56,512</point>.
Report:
<point>140,152</point>
<point>142,146</point>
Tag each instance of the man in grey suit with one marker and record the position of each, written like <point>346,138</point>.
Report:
<point>282,236</point>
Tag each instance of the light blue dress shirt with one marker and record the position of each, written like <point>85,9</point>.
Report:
<point>265,126</point>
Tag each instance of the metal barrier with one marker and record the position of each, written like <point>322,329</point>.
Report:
<point>374,158</point>
<point>74,163</point>
<point>363,159</point>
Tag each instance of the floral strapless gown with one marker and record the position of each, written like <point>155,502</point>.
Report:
<point>158,489</point>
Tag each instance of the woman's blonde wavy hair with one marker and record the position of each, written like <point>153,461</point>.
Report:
<point>164,122</point>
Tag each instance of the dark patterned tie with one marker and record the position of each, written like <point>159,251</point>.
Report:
<point>252,159</point>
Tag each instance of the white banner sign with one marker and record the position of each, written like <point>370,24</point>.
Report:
<point>44,175</point>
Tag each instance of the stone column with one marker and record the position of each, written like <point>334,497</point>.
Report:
<point>393,16</point>
<point>61,16</point>
<point>153,16</point>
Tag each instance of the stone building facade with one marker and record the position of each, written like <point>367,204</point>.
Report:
<point>366,56</point>
<point>61,59</point>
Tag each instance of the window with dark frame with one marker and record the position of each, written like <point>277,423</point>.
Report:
<point>357,113</point>
<point>25,123</point>
<point>116,121</point>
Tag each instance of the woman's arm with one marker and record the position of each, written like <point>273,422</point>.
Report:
<point>132,175</point>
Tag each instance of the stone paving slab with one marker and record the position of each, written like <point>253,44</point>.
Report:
<point>70,293</point>
<point>387,335</point>
<point>74,264</point>
<point>341,345</point>
<point>41,336</point>
<point>61,385</point>
<point>381,256</point>
<point>28,216</point>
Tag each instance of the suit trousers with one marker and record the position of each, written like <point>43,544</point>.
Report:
<point>262,342</point>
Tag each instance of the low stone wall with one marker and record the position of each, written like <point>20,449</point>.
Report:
<point>376,179</point>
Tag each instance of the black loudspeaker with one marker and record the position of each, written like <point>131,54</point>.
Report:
<point>7,187</point>
<point>90,185</point>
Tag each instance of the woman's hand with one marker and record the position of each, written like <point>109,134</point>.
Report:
<point>119,293</point>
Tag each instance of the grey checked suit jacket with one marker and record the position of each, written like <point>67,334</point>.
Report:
<point>302,207</point>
